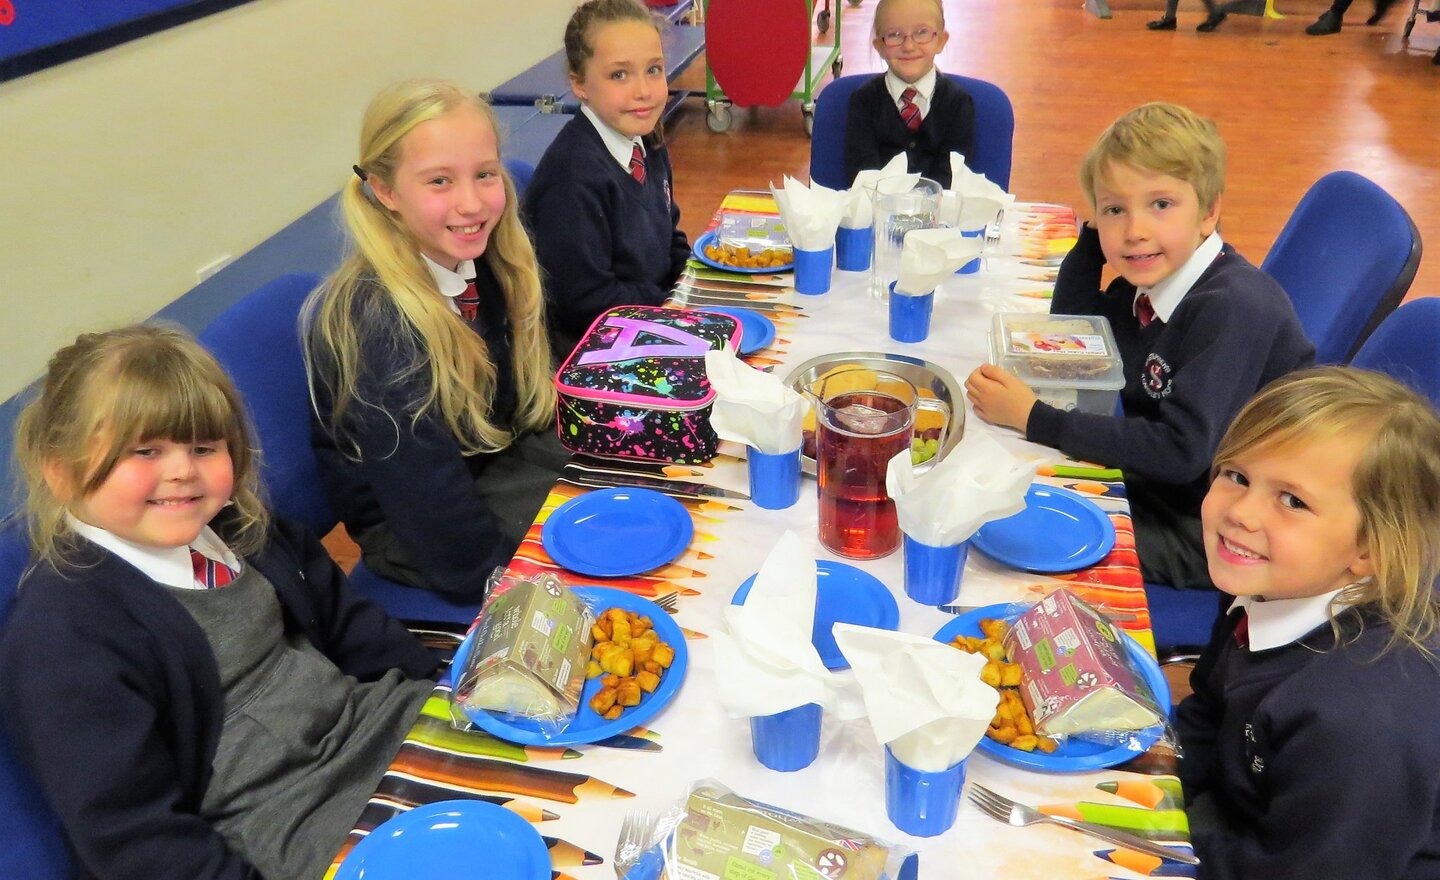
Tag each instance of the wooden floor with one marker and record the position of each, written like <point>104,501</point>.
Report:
<point>1291,107</point>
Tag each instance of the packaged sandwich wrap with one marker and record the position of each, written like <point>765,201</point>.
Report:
<point>718,833</point>
<point>529,650</point>
<point>1077,676</point>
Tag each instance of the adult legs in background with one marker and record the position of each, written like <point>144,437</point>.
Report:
<point>1166,22</point>
<point>1330,20</point>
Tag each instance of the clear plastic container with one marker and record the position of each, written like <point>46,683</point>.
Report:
<point>752,231</point>
<point>1070,360</point>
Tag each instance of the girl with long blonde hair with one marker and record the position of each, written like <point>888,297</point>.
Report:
<point>427,350</point>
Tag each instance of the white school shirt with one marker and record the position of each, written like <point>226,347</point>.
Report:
<point>925,86</point>
<point>1278,622</point>
<point>620,147</point>
<point>451,284</point>
<point>170,566</point>
<point>1165,297</point>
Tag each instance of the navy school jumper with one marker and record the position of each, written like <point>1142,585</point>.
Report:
<point>602,238</point>
<point>874,132</point>
<point>111,694</point>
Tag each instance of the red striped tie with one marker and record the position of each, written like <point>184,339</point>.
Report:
<point>1143,310</point>
<point>637,165</point>
<point>1242,630</point>
<point>909,111</point>
<point>212,574</point>
<point>469,302</point>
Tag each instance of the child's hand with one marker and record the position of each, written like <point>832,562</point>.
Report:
<point>999,397</point>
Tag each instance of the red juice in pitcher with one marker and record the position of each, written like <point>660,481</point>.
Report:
<point>857,434</point>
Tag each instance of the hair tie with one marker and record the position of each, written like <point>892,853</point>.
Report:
<point>361,173</point>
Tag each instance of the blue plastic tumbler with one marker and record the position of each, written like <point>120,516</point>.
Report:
<point>932,574</point>
<point>973,266</point>
<point>853,248</point>
<point>910,315</point>
<point>920,803</point>
<point>788,740</point>
<point>774,479</point>
<point>812,270</point>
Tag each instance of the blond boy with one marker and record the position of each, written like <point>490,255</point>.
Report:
<point>1198,327</point>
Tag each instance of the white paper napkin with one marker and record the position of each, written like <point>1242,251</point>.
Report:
<point>978,481</point>
<point>972,200</point>
<point>766,660</point>
<point>929,256</point>
<point>924,698</point>
<point>811,213</point>
<point>859,199</point>
<point>752,407</point>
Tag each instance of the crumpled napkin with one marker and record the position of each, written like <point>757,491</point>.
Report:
<point>860,197</point>
<point>811,213</point>
<point>972,200</point>
<point>752,407</point>
<point>929,256</point>
<point>770,665</point>
<point>924,698</point>
<point>979,481</point>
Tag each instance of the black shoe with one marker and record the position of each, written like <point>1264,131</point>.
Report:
<point>1166,23</point>
<point>1327,23</point>
<point>1211,23</point>
<point>1381,7</point>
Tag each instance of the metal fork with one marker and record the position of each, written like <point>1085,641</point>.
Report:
<point>999,807</point>
<point>668,601</point>
<point>992,239</point>
<point>634,836</point>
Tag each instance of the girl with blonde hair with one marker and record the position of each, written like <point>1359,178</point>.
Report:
<point>189,680</point>
<point>429,364</point>
<point>1321,687</point>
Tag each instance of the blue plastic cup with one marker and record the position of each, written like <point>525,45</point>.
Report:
<point>974,265</point>
<point>920,803</point>
<point>789,740</point>
<point>910,315</point>
<point>774,479</point>
<point>812,270</point>
<point>932,574</point>
<point>853,247</point>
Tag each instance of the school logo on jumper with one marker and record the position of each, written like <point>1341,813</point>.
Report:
<point>1156,378</point>
<point>667,194</point>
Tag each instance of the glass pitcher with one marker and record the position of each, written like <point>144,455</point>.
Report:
<point>863,418</point>
<point>896,213</point>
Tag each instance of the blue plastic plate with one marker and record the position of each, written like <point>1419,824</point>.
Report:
<point>617,532</point>
<point>843,594</point>
<point>484,839</point>
<point>709,238</point>
<point>1074,755</point>
<point>587,727</point>
<point>756,330</point>
<point>1057,531</point>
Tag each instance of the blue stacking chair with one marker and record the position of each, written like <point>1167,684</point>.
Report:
<point>994,130</point>
<point>1406,345</point>
<point>1346,257</point>
<point>257,340</point>
<point>35,847</point>
<point>520,172</point>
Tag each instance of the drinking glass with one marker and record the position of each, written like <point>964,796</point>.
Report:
<point>897,213</point>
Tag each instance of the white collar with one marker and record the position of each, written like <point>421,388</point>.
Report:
<point>1165,297</point>
<point>925,85</point>
<point>1279,622</point>
<point>170,566</point>
<point>621,148</point>
<point>451,284</point>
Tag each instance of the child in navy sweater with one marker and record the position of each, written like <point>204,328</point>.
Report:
<point>1308,741</point>
<point>177,730</point>
<point>1199,330</point>
<point>429,363</point>
<point>913,108</point>
<point>601,205</point>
